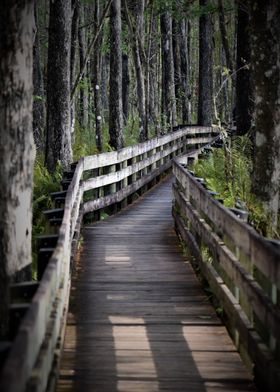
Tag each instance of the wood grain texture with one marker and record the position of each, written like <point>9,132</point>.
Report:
<point>138,318</point>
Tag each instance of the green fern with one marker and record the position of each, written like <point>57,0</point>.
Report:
<point>44,184</point>
<point>228,171</point>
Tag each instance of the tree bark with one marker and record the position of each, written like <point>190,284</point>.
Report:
<point>205,94</point>
<point>39,110</point>
<point>244,94</point>
<point>83,107</point>
<point>125,86</point>
<point>265,60</point>
<point>224,35</point>
<point>136,39</point>
<point>115,95</point>
<point>185,72</point>
<point>16,145</point>
<point>153,56</point>
<point>104,82</point>
<point>168,85</point>
<point>58,142</point>
<point>96,81</point>
<point>176,39</point>
<point>73,56</point>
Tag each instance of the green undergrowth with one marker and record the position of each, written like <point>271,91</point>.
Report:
<point>44,184</point>
<point>227,171</point>
<point>85,138</point>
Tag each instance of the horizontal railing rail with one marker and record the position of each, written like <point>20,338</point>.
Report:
<point>95,182</point>
<point>241,267</point>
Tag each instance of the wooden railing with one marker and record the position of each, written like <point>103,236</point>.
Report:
<point>96,182</point>
<point>241,267</point>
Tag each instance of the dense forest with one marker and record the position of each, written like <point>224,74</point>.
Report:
<point>80,77</point>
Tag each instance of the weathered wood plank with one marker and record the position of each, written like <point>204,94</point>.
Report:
<point>260,302</point>
<point>39,332</point>
<point>111,158</point>
<point>139,319</point>
<point>264,255</point>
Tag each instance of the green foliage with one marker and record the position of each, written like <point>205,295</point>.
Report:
<point>228,171</point>
<point>85,143</point>
<point>37,98</point>
<point>85,83</point>
<point>44,184</point>
<point>131,130</point>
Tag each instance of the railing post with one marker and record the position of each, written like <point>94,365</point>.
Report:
<point>100,193</point>
<point>272,340</point>
<point>144,173</point>
<point>134,175</point>
<point>113,187</point>
<point>154,166</point>
<point>161,151</point>
<point>124,185</point>
<point>145,170</point>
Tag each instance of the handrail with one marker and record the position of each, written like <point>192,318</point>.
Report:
<point>241,267</point>
<point>37,344</point>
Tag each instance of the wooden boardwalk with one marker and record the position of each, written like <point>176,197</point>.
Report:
<point>138,318</point>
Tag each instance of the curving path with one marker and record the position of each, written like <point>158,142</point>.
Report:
<point>138,318</point>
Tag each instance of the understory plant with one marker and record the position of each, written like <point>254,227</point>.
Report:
<point>44,184</point>
<point>228,172</point>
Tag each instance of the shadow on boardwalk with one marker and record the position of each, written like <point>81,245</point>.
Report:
<point>138,318</point>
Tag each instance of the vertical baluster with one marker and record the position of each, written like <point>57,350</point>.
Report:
<point>161,159</point>
<point>272,340</point>
<point>124,185</point>
<point>134,175</point>
<point>113,187</point>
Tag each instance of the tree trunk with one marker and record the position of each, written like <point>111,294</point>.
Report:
<point>104,82</point>
<point>205,94</point>
<point>244,99</point>
<point>58,143</point>
<point>176,39</point>
<point>185,72</point>
<point>73,56</point>
<point>224,36</point>
<point>125,86</point>
<point>16,145</point>
<point>115,95</point>
<point>136,38</point>
<point>84,88</point>
<point>168,87</point>
<point>153,62</point>
<point>39,112</point>
<point>265,60</point>
<point>96,81</point>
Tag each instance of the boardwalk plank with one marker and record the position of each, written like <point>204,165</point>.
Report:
<point>138,318</point>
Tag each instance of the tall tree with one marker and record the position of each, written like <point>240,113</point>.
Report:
<point>205,94</point>
<point>224,35</point>
<point>185,72</point>
<point>168,84</point>
<point>137,43</point>
<point>244,99</point>
<point>176,39</point>
<point>73,56</point>
<point>58,141</point>
<point>125,86</point>
<point>265,60</point>
<point>96,79</point>
<point>152,60</point>
<point>115,94</point>
<point>84,107</point>
<point>39,112</point>
<point>16,145</point>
